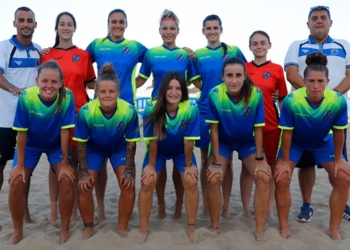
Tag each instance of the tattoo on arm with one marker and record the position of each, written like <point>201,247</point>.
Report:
<point>84,174</point>
<point>130,161</point>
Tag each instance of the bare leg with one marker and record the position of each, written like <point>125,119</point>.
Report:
<point>227,189</point>
<point>204,182</point>
<point>53,190</point>
<point>179,190</point>
<point>75,162</point>
<point>160,190</point>
<point>100,190</point>
<point>270,215</point>
<point>246,185</point>
<point>26,217</point>
<point>307,178</point>
<point>2,167</point>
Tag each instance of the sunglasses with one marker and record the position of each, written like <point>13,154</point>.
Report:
<point>319,7</point>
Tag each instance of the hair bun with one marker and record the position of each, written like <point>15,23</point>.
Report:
<point>107,68</point>
<point>316,58</point>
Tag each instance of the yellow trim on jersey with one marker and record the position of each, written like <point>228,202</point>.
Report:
<point>133,140</point>
<point>194,78</point>
<point>341,127</point>
<point>259,125</point>
<point>20,129</point>
<point>211,121</point>
<point>143,76</point>
<point>150,138</point>
<point>80,140</point>
<point>286,128</point>
<point>68,126</point>
<point>193,138</point>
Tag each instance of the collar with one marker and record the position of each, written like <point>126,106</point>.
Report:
<point>313,41</point>
<point>166,47</point>
<point>218,47</point>
<point>20,46</point>
<point>119,41</point>
<point>263,64</point>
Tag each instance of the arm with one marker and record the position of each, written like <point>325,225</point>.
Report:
<point>91,85</point>
<point>140,81</point>
<point>261,165</point>
<point>197,82</point>
<point>18,170</point>
<point>339,163</point>
<point>5,85</point>
<point>283,165</point>
<point>65,167</point>
<point>214,140</point>
<point>150,169</point>
<point>85,179</point>
<point>189,167</point>
<point>128,177</point>
<point>293,77</point>
<point>344,86</point>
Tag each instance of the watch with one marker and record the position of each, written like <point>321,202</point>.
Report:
<point>187,165</point>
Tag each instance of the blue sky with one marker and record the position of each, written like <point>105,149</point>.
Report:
<point>284,21</point>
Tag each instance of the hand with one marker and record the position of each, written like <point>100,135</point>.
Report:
<point>16,91</point>
<point>341,165</point>
<point>16,172</point>
<point>275,96</point>
<point>281,168</point>
<point>147,173</point>
<point>66,170</point>
<point>190,52</point>
<point>263,167</point>
<point>128,178</point>
<point>211,171</point>
<point>45,51</point>
<point>192,171</point>
<point>85,180</point>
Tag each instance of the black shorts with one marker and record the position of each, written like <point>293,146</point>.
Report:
<point>306,159</point>
<point>7,144</point>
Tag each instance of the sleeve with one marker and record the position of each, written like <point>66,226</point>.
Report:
<point>132,132</point>
<point>148,128</point>
<point>81,131</point>
<point>3,57</point>
<point>292,56</point>
<point>91,49</point>
<point>90,70</point>
<point>341,120</point>
<point>146,67</point>
<point>212,115</point>
<point>259,117</point>
<point>21,116</point>
<point>347,51</point>
<point>281,84</point>
<point>142,52</point>
<point>193,125</point>
<point>240,55</point>
<point>69,116</point>
<point>192,71</point>
<point>286,119</point>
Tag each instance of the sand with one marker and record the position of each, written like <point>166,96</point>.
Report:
<point>237,232</point>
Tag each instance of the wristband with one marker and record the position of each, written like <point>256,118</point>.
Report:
<point>259,158</point>
<point>217,166</point>
<point>187,165</point>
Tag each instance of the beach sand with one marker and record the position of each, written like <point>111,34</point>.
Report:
<point>237,232</point>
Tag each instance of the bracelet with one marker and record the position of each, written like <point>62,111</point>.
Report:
<point>187,165</point>
<point>259,158</point>
<point>217,166</point>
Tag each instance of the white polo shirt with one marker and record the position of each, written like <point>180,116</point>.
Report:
<point>19,66</point>
<point>336,50</point>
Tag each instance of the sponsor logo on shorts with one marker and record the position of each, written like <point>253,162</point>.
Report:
<point>75,58</point>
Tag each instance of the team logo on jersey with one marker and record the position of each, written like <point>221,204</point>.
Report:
<point>119,125</point>
<point>224,56</point>
<point>58,112</point>
<point>328,114</point>
<point>182,124</point>
<point>75,58</point>
<point>247,111</point>
<point>126,50</point>
<point>258,91</point>
<point>131,106</point>
<point>23,93</point>
<point>179,57</point>
<point>334,52</point>
<point>85,107</point>
<point>216,90</point>
<point>266,75</point>
<point>37,63</point>
<point>290,95</point>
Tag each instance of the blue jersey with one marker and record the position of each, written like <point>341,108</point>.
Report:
<point>311,124</point>
<point>209,64</point>
<point>124,55</point>
<point>107,134</point>
<point>184,126</point>
<point>236,121</point>
<point>43,121</point>
<point>160,60</point>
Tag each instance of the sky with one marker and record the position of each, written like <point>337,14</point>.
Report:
<point>284,21</point>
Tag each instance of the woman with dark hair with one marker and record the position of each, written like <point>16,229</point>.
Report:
<point>236,116</point>
<point>171,125</point>
<point>78,75</point>
<point>107,127</point>
<point>209,64</point>
<point>307,116</point>
<point>44,116</point>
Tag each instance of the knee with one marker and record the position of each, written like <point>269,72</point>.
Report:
<point>215,182</point>
<point>283,182</point>
<point>18,185</point>
<point>190,185</point>
<point>149,186</point>
<point>130,191</point>
<point>262,179</point>
<point>65,185</point>
<point>342,180</point>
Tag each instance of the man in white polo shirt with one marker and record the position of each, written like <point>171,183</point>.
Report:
<point>338,56</point>
<point>19,58</point>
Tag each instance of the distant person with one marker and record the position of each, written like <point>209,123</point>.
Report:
<point>45,113</point>
<point>307,116</point>
<point>78,75</point>
<point>19,59</point>
<point>338,56</point>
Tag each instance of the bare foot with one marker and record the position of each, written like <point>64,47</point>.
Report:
<point>190,232</point>
<point>335,235</point>
<point>15,238</point>
<point>178,211</point>
<point>215,230</point>
<point>144,234</point>
<point>225,213</point>
<point>249,214</point>
<point>88,232</point>
<point>161,211</point>
<point>64,237</point>
<point>204,214</point>
<point>122,232</point>
<point>259,237</point>
<point>284,232</point>
<point>101,215</point>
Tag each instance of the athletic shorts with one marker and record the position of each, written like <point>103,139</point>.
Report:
<point>270,145</point>
<point>204,140</point>
<point>32,156</point>
<point>243,150</point>
<point>319,153</point>
<point>7,144</point>
<point>71,135</point>
<point>179,161</point>
<point>96,159</point>
<point>307,160</point>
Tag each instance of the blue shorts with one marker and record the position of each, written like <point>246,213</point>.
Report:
<point>243,150</point>
<point>96,159</point>
<point>320,153</point>
<point>204,141</point>
<point>179,160</point>
<point>32,156</point>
